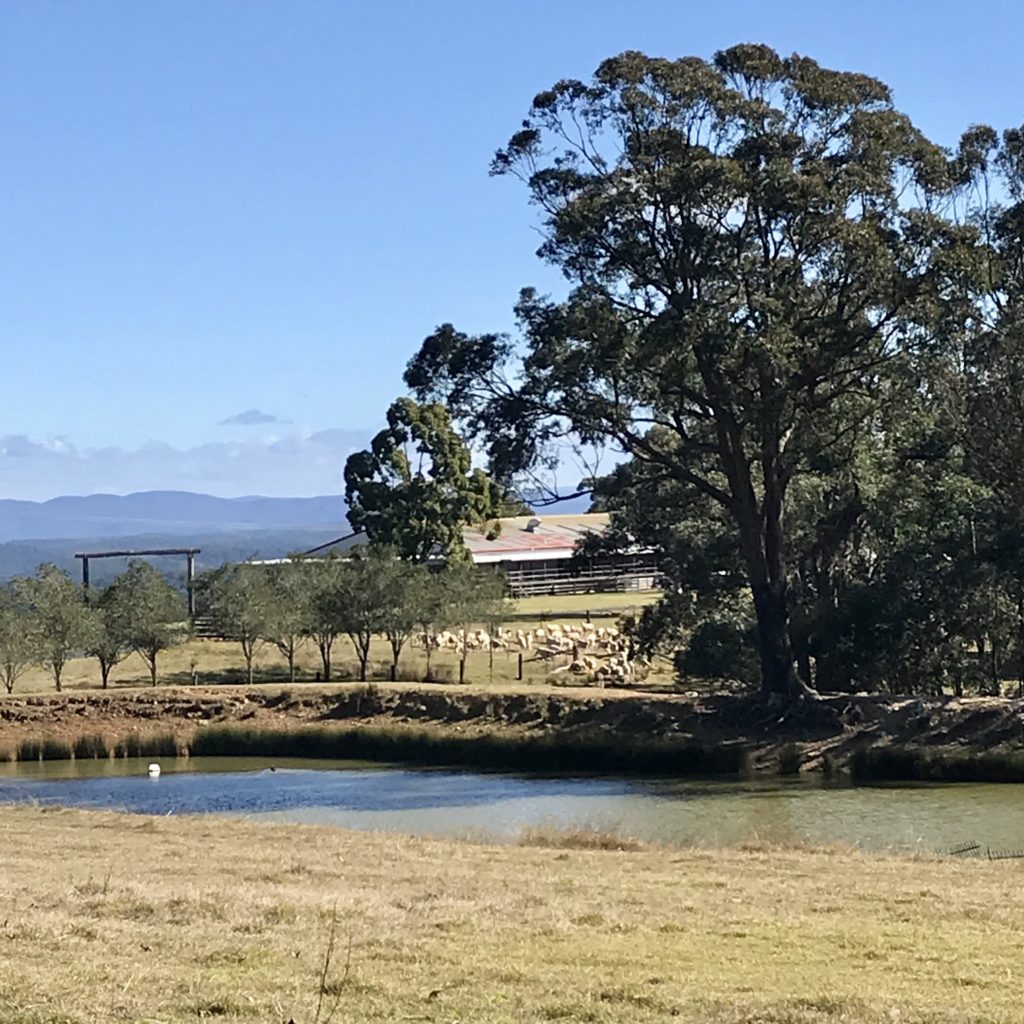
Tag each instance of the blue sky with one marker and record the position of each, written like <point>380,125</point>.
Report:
<point>225,225</point>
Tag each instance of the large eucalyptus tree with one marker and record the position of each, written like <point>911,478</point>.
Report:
<point>754,246</point>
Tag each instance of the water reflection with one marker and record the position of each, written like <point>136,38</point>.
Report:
<point>359,795</point>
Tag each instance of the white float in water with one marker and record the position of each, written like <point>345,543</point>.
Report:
<point>154,770</point>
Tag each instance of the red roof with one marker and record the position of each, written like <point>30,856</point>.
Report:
<point>550,536</point>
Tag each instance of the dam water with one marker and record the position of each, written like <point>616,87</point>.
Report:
<point>501,806</point>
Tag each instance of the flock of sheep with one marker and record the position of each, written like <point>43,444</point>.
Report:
<point>600,653</point>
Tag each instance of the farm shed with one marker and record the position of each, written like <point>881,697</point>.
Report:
<point>536,555</point>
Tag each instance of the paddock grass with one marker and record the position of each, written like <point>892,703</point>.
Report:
<point>579,605</point>
<point>174,920</point>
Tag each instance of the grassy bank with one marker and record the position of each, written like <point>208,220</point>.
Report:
<point>520,751</point>
<point>178,920</point>
<point>917,764</point>
<point>432,745</point>
<point>539,729</point>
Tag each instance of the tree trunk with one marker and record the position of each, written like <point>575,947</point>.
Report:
<point>762,544</point>
<point>291,666</point>
<point>248,669</point>
<point>152,669</point>
<point>1020,644</point>
<point>778,672</point>
<point>325,659</point>
<point>104,673</point>
<point>803,662</point>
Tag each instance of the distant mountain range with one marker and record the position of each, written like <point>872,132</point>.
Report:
<point>225,529</point>
<point>178,513</point>
<point>20,557</point>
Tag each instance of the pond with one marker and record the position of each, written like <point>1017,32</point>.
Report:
<point>456,803</point>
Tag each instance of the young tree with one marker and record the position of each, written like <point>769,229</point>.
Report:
<point>153,612</point>
<point>402,587</point>
<point>494,612</point>
<point>16,647</point>
<point>432,610</point>
<point>752,243</point>
<point>325,611</point>
<point>239,601</point>
<point>59,618</point>
<point>108,638</point>
<point>471,596</point>
<point>415,489</point>
<point>288,590</point>
<point>368,597</point>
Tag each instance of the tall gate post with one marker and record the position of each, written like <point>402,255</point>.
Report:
<point>190,576</point>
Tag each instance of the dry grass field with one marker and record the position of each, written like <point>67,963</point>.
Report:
<point>116,918</point>
<point>218,661</point>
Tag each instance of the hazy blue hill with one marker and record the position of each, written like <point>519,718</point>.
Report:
<point>21,557</point>
<point>226,529</point>
<point>173,513</point>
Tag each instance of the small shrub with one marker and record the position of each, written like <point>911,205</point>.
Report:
<point>152,745</point>
<point>440,674</point>
<point>791,759</point>
<point>90,747</point>
<point>720,649</point>
<point>161,745</point>
<point>368,696</point>
<point>29,750</point>
<point>341,672</point>
<point>54,750</point>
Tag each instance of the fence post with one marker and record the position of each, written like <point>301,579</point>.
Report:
<point>462,670</point>
<point>520,675</point>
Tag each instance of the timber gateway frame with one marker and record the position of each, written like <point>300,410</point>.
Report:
<point>190,566</point>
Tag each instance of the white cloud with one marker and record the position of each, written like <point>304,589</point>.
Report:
<point>293,464</point>
<point>250,418</point>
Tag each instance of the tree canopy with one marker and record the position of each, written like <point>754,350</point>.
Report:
<point>153,614</point>
<point>59,624</point>
<point>415,488</point>
<point>764,258</point>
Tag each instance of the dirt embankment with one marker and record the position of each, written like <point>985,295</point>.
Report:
<point>833,726</point>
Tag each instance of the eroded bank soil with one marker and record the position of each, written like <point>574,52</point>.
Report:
<point>833,726</point>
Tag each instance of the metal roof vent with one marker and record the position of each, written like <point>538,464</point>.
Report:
<point>531,526</point>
